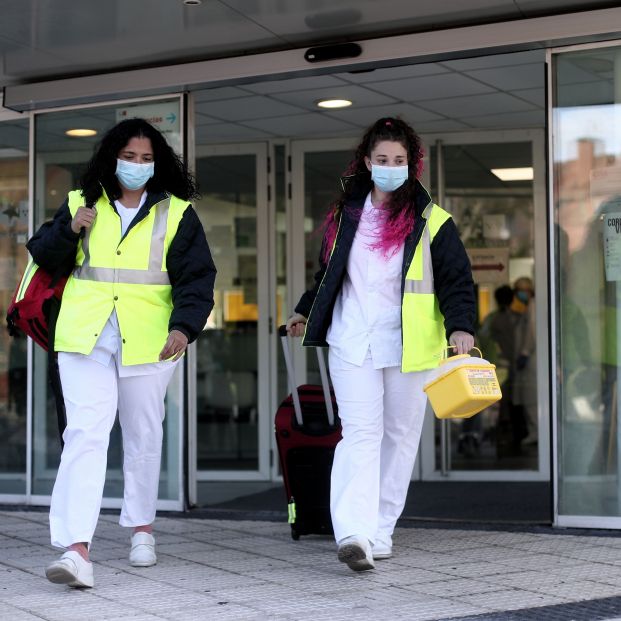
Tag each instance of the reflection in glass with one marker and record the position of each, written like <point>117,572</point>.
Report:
<point>322,186</point>
<point>587,189</point>
<point>227,357</point>
<point>13,257</point>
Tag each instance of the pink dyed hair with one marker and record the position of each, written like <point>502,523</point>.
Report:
<point>400,209</point>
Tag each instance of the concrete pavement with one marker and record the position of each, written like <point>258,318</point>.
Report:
<point>246,570</point>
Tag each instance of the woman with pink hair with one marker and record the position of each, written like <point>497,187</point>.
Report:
<point>394,285</point>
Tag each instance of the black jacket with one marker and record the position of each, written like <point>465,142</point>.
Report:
<point>452,275</point>
<point>190,267</point>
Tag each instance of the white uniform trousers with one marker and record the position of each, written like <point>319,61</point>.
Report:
<point>382,413</point>
<point>92,394</point>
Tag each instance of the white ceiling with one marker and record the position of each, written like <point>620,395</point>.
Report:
<point>503,91</point>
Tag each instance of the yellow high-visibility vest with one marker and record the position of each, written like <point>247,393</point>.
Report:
<point>127,276</point>
<point>424,339</point>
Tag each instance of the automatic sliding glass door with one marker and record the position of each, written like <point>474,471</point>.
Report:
<point>233,414</point>
<point>586,172</point>
<point>502,224</point>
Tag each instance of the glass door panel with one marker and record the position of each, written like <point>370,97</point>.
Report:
<point>316,172</point>
<point>59,160</point>
<point>496,221</point>
<point>13,259</point>
<point>230,381</point>
<point>586,151</point>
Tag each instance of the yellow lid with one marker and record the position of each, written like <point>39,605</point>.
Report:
<point>452,358</point>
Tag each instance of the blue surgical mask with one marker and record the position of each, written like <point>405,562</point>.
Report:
<point>522,296</point>
<point>132,175</point>
<point>388,178</point>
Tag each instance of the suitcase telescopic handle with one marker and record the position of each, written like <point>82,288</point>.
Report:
<point>325,385</point>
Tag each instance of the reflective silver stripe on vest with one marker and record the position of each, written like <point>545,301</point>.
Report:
<point>153,275</point>
<point>426,284</point>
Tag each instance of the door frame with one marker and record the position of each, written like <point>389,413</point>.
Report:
<point>264,425</point>
<point>565,520</point>
<point>428,471</point>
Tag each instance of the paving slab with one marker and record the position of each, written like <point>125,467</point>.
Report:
<point>251,570</point>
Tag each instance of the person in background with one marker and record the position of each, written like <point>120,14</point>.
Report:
<point>525,380</point>
<point>140,289</point>
<point>496,338</point>
<point>394,285</point>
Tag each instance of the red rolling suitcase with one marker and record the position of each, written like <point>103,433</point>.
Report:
<point>307,432</point>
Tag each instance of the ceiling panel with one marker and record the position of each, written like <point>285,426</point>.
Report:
<point>359,95</point>
<point>365,117</point>
<point>14,135</point>
<point>576,71</point>
<point>254,107</point>
<point>295,84</point>
<point>536,96</point>
<point>229,132</point>
<point>445,125</point>
<point>521,76</point>
<point>510,120</point>
<point>222,92</point>
<point>432,87</point>
<point>590,94</point>
<point>393,73</point>
<point>312,124</point>
<point>464,107</point>
<point>445,114</point>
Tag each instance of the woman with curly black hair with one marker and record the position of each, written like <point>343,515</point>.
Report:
<point>140,289</point>
<point>394,285</point>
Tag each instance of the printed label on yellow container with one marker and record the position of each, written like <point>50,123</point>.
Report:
<point>483,381</point>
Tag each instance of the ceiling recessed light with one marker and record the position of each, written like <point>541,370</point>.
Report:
<point>334,103</point>
<point>81,133</point>
<point>192,2</point>
<point>514,174</point>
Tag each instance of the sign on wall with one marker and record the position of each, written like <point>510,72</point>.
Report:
<point>612,244</point>
<point>489,265</point>
<point>164,116</point>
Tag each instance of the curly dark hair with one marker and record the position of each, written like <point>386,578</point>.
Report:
<point>357,179</point>
<point>393,130</point>
<point>171,174</point>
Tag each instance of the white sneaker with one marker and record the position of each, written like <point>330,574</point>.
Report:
<point>71,569</point>
<point>142,553</point>
<point>381,550</point>
<point>356,552</point>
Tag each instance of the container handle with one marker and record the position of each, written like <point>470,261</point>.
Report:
<point>455,347</point>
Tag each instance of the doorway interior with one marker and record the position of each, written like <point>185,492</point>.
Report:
<point>474,115</point>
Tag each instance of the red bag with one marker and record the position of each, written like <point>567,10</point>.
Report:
<point>35,302</point>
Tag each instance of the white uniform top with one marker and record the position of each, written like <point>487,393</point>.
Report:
<point>109,342</point>
<point>367,313</point>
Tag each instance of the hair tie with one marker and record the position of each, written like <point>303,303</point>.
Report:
<point>388,123</point>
